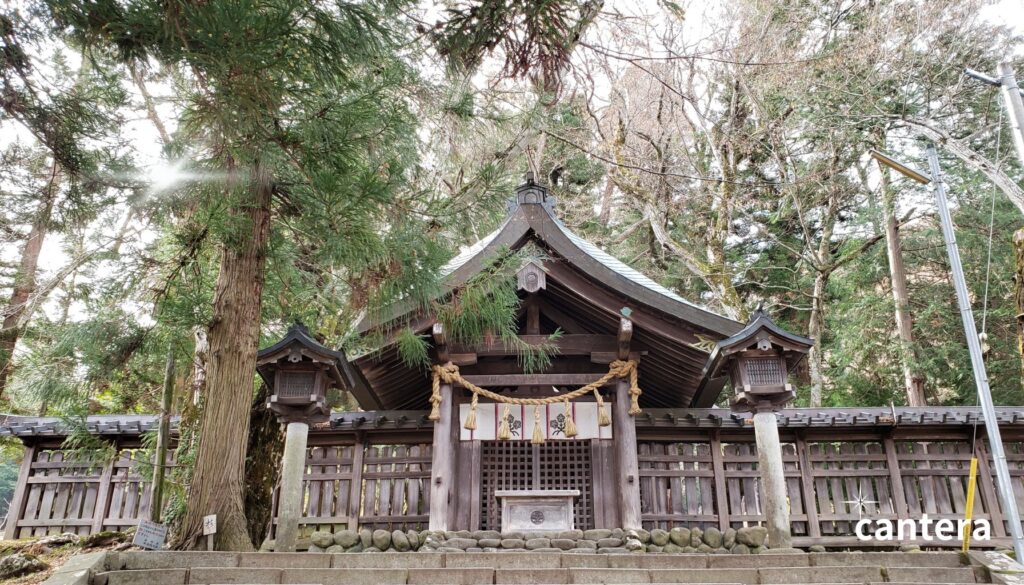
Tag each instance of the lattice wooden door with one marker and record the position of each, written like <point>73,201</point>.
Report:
<point>519,465</point>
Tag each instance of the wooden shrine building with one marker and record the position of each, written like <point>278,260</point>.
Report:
<point>624,419</point>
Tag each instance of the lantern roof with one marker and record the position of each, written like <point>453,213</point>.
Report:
<point>760,326</point>
<point>299,344</point>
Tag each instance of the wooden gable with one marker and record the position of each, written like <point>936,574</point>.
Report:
<point>578,289</point>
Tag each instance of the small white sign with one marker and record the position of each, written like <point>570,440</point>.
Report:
<point>209,525</point>
<point>150,535</point>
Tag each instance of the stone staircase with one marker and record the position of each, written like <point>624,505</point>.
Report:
<point>216,568</point>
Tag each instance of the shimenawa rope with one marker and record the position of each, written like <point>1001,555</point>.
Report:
<point>449,374</point>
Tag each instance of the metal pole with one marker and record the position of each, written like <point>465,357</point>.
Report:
<point>1003,483</point>
<point>1014,106</point>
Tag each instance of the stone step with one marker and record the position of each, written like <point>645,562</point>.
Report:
<point>886,559</point>
<point>733,575</point>
<point>505,560</point>
<point>607,576</point>
<point>451,576</point>
<point>173,559</point>
<point>931,574</point>
<point>833,574</point>
<point>167,576</point>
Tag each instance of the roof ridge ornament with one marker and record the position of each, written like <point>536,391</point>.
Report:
<point>531,192</point>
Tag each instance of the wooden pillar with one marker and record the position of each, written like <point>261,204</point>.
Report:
<point>807,482</point>
<point>103,492</point>
<point>18,499</point>
<point>624,431</point>
<point>356,486</point>
<point>775,503</point>
<point>718,468</point>
<point>442,467</point>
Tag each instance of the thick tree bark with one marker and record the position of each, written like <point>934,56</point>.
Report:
<point>25,281</point>
<point>913,382</point>
<point>218,480</point>
<point>262,473</point>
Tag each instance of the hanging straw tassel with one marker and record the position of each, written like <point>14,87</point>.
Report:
<point>503,431</point>
<point>435,396</point>
<point>634,391</point>
<point>570,425</point>
<point>471,417</point>
<point>538,436</point>
<point>602,414</point>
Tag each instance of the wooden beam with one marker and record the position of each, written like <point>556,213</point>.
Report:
<point>625,334</point>
<point>564,321</point>
<point>571,344</point>
<point>607,357</point>
<point>463,359</point>
<point>486,380</point>
<point>441,343</point>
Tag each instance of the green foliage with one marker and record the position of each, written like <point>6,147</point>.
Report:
<point>537,38</point>
<point>488,307</point>
<point>413,348</point>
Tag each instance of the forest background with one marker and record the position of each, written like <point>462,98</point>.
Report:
<point>184,180</point>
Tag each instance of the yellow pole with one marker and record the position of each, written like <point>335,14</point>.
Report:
<point>972,484</point>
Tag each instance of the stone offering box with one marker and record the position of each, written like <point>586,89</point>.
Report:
<point>537,510</point>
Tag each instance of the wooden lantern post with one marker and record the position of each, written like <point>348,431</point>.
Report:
<point>758,360</point>
<point>299,371</point>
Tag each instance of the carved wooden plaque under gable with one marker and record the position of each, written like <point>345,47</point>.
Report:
<point>532,277</point>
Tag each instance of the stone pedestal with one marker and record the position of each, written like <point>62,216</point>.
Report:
<point>773,479</point>
<point>537,510</point>
<point>293,467</point>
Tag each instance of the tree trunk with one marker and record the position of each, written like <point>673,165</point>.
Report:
<point>1018,292</point>
<point>25,281</point>
<point>261,473</point>
<point>815,329</point>
<point>218,480</point>
<point>913,382</point>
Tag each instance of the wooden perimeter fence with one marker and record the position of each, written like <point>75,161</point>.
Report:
<point>379,478</point>
<point>832,484</point>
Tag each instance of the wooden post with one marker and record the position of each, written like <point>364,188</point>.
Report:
<point>807,481</point>
<point>624,429</point>
<point>988,490</point>
<point>18,499</point>
<point>442,465</point>
<point>626,457</point>
<point>899,495</point>
<point>356,487</point>
<point>293,468</point>
<point>163,436</point>
<point>773,479</point>
<point>103,493</point>
<point>718,468</point>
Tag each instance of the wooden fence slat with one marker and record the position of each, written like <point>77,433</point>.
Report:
<point>807,485</point>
